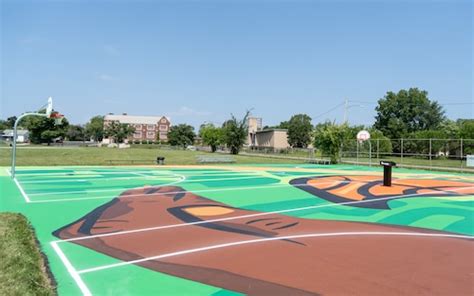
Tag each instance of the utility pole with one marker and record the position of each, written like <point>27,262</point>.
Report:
<point>346,106</point>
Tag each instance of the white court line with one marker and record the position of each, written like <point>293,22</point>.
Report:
<point>130,178</point>
<point>23,193</point>
<point>72,271</point>
<point>88,172</point>
<point>124,188</point>
<point>176,192</point>
<point>261,240</point>
<point>248,216</point>
<point>105,179</point>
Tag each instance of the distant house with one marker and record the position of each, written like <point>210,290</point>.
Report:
<point>148,128</point>
<point>23,136</point>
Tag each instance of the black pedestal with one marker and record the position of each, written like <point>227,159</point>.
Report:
<point>387,172</point>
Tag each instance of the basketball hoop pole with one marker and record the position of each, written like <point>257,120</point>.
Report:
<point>15,132</point>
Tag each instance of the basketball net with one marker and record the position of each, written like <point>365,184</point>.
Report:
<point>58,118</point>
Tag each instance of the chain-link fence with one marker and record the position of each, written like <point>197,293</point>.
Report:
<point>435,154</point>
<point>417,153</point>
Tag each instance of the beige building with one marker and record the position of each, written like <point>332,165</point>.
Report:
<point>148,128</point>
<point>272,138</point>
<point>269,138</point>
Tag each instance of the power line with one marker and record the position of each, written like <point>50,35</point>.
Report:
<point>330,110</point>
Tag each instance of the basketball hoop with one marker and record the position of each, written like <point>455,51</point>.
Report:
<point>58,118</point>
<point>363,136</point>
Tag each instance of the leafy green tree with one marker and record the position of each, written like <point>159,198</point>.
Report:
<point>235,133</point>
<point>384,143</point>
<point>450,128</point>
<point>466,128</point>
<point>283,125</point>
<point>75,133</point>
<point>419,142</point>
<point>118,131</point>
<point>181,135</point>
<point>44,130</point>
<point>211,135</point>
<point>7,124</point>
<point>94,129</point>
<point>3,125</point>
<point>466,131</point>
<point>299,131</point>
<point>329,137</point>
<point>408,111</point>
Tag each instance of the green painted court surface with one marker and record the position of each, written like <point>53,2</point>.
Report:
<point>52,197</point>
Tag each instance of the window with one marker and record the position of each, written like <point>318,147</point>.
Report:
<point>163,120</point>
<point>150,127</point>
<point>163,127</point>
<point>150,135</point>
<point>137,135</point>
<point>163,135</point>
<point>138,126</point>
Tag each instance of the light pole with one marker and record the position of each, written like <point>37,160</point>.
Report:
<point>49,110</point>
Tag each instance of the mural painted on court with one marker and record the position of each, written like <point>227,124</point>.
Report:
<point>226,230</point>
<point>260,252</point>
<point>369,192</point>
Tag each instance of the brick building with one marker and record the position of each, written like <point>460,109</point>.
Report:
<point>148,128</point>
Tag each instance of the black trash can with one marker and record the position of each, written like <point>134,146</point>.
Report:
<point>160,160</point>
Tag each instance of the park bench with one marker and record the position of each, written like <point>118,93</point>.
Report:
<point>319,161</point>
<point>130,161</point>
<point>215,159</point>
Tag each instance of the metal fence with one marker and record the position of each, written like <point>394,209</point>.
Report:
<point>433,154</point>
<point>445,154</point>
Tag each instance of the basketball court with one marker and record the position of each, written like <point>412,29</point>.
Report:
<point>253,229</point>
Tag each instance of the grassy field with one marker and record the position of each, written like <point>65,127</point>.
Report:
<point>106,156</point>
<point>22,269</point>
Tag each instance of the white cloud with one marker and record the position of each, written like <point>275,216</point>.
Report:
<point>186,111</point>
<point>111,50</point>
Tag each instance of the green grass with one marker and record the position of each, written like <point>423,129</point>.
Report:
<point>103,156</point>
<point>22,269</point>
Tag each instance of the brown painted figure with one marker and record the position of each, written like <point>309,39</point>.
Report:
<point>336,264</point>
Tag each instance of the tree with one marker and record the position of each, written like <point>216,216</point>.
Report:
<point>95,128</point>
<point>181,135</point>
<point>7,124</point>
<point>299,130</point>
<point>75,133</point>
<point>10,122</point>
<point>466,131</point>
<point>44,130</point>
<point>399,114</point>
<point>118,131</point>
<point>211,135</point>
<point>235,133</point>
<point>466,128</point>
<point>329,137</point>
<point>384,143</point>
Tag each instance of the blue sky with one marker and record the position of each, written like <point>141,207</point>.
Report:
<point>198,61</point>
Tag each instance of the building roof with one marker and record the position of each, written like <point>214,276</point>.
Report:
<point>268,130</point>
<point>133,119</point>
<point>9,132</point>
